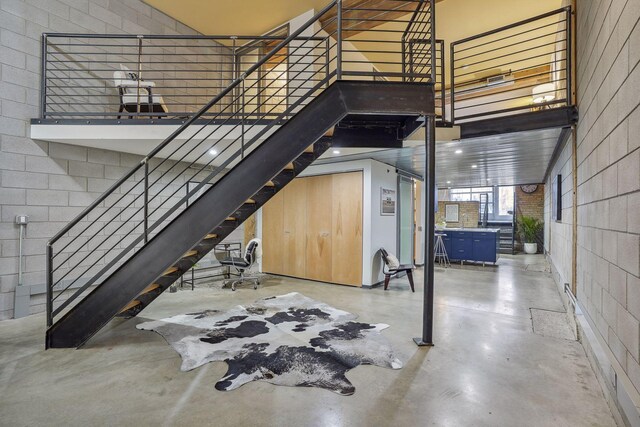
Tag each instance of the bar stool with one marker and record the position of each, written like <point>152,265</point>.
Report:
<point>440,252</point>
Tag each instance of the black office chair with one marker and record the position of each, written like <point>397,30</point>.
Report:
<point>241,264</point>
<point>390,270</point>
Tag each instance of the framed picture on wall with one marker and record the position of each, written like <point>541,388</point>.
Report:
<point>452,212</point>
<point>556,198</point>
<point>387,201</point>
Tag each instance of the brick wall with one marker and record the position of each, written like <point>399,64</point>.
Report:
<point>51,182</point>
<point>468,214</point>
<point>530,204</point>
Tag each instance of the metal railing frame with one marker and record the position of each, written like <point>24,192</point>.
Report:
<point>237,91</point>
<point>567,11</point>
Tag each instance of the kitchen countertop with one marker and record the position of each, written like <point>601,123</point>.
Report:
<point>475,230</point>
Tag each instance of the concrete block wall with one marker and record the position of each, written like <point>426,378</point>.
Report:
<point>558,238</point>
<point>51,182</point>
<point>608,189</point>
<point>608,155</point>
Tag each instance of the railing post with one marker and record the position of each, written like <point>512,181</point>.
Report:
<point>43,77</point>
<point>432,17</point>
<point>327,62</point>
<point>139,74</point>
<point>442,84</point>
<point>569,70</point>
<point>452,97</point>
<point>49,284</point>
<point>242,118</point>
<point>339,39</point>
<point>146,200</point>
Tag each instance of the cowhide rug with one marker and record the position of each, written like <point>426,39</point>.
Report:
<point>285,340</point>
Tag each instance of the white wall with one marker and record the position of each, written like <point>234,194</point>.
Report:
<point>383,231</point>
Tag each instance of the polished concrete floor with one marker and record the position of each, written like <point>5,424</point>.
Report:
<point>488,368</point>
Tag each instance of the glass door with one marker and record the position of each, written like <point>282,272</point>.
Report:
<point>405,220</point>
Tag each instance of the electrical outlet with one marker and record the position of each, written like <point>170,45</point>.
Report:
<point>22,219</point>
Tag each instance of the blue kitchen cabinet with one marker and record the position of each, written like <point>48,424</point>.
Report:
<point>475,245</point>
<point>461,247</point>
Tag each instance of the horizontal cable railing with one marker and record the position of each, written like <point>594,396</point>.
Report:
<point>117,77</point>
<point>514,69</point>
<point>271,80</point>
<point>378,36</point>
<point>144,201</point>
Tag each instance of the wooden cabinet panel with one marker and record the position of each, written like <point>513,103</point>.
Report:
<point>346,233</point>
<point>318,232</point>
<point>313,229</point>
<point>273,235</point>
<point>295,223</point>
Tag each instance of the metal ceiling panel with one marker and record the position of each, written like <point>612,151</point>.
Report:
<point>507,159</point>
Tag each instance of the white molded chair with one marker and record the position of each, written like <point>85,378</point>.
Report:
<point>129,93</point>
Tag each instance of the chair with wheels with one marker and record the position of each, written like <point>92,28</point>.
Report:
<point>242,264</point>
<point>392,267</point>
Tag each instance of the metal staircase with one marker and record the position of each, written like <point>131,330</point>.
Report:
<point>146,230</point>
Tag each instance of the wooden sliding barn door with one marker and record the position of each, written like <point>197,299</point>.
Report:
<point>318,230</point>
<point>346,228</point>
<point>313,229</point>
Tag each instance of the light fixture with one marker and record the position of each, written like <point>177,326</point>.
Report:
<point>336,151</point>
<point>474,166</point>
<point>213,152</point>
<point>448,182</point>
<point>458,151</point>
<point>543,93</point>
<point>488,179</point>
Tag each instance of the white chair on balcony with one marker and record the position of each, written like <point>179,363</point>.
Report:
<point>135,92</point>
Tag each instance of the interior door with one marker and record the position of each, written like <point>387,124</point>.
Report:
<point>405,220</point>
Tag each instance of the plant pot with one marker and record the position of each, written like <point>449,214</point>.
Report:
<point>531,248</point>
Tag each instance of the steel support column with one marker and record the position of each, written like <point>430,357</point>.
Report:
<point>429,238</point>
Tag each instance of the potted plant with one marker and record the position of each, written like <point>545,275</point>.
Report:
<point>530,227</point>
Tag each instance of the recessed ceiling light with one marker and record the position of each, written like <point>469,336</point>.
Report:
<point>458,151</point>
<point>213,152</point>
<point>474,166</point>
<point>488,179</point>
<point>336,151</point>
<point>448,182</point>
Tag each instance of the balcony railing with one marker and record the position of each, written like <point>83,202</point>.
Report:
<point>284,76</point>
<point>521,67</point>
<point>90,77</point>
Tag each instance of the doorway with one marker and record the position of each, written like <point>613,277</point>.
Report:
<point>405,220</point>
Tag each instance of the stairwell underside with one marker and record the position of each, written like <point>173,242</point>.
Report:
<point>165,252</point>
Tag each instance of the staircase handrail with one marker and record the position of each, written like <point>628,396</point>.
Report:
<point>189,122</point>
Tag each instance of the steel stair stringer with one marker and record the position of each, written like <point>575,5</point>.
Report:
<point>162,260</point>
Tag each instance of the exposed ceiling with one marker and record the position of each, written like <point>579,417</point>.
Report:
<point>241,18</point>
<point>508,159</point>
<point>255,17</point>
<point>501,160</point>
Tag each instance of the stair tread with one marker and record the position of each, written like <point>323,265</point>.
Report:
<point>190,253</point>
<point>170,271</point>
<point>210,236</point>
<point>129,306</point>
<point>269,184</point>
<point>150,288</point>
